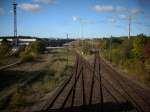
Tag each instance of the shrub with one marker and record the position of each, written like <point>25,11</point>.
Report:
<point>86,47</point>
<point>37,47</point>
<point>31,51</point>
<point>115,56</point>
<point>138,46</point>
<point>20,50</point>
<point>116,40</point>
<point>5,48</point>
<point>126,50</point>
<point>27,57</point>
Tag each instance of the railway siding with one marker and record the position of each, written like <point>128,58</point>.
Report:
<point>96,87</point>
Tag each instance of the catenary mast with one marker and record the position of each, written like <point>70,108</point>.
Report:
<point>15,21</point>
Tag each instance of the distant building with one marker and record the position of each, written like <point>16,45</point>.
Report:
<point>49,42</point>
<point>58,42</point>
<point>22,40</point>
<point>26,41</point>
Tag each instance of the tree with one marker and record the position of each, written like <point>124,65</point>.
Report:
<point>147,49</point>
<point>127,49</point>
<point>138,46</point>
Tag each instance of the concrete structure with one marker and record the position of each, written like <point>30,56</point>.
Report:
<point>21,40</point>
<point>26,41</point>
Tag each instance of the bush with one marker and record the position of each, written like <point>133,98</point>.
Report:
<point>20,50</point>
<point>115,56</point>
<point>126,50</point>
<point>37,47</point>
<point>5,48</point>
<point>132,55</point>
<point>86,47</point>
<point>27,57</point>
<point>31,51</point>
<point>138,46</point>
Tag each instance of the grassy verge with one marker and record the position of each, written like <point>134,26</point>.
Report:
<point>132,67</point>
<point>54,72</point>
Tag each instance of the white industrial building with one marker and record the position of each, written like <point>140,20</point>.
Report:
<point>21,40</point>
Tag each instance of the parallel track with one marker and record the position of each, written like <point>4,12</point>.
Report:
<point>137,98</point>
<point>88,90</point>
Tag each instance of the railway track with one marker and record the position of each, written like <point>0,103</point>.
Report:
<point>10,65</point>
<point>138,96</point>
<point>97,88</point>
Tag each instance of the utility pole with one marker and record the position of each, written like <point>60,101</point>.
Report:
<point>129,27</point>
<point>15,21</point>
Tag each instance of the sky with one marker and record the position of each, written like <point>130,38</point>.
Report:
<point>78,18</point>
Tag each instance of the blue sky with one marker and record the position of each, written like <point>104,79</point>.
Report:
<point>86,18</point>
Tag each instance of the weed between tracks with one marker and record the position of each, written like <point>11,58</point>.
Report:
<point>54,72</point>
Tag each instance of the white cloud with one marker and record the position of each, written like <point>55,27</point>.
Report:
<point>112,20</point>
<point>136,10</point>
<point>11,11</point>
<point>124,17</point>
<point>87,21</point>
<point>110,8</point>
<point>83,21</point>
<point>76,18</point>
<point>45,1</point>
<point>30,7</point>
<point>121,9</point>
<point>1,11</point>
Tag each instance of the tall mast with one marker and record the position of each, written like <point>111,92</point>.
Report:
<point>15,21</point>
<point>129,27</point>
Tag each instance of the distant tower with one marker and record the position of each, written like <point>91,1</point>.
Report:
<point>129,27</point>
<point>15,21</point>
